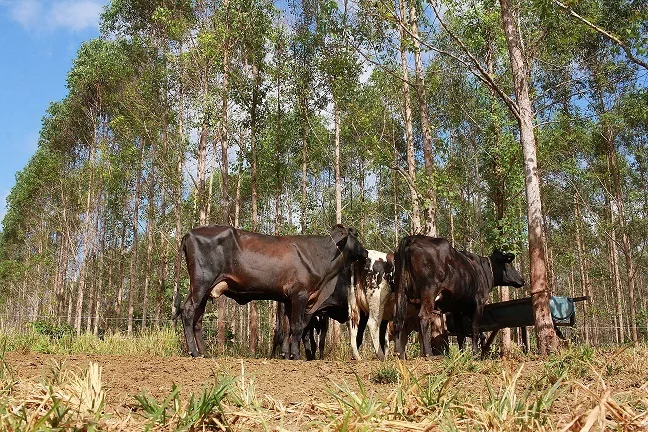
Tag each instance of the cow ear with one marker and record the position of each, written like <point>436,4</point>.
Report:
<point>509,257</point>
<point>339,234</point>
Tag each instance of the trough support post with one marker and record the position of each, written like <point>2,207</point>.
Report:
<point>525,339</point>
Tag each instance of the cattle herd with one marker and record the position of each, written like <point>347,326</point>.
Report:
<point>333,276</point>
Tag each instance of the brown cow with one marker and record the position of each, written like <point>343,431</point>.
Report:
<point>300,271</point>
<point>437,278</point>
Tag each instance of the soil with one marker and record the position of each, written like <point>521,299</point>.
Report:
<point>301,384</point>
<point>288,382</point>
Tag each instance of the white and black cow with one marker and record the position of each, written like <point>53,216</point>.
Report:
<point>371,301</point>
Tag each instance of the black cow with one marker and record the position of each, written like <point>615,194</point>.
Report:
<point>316,327</point>
<point>300,271</point>
<point>437,278</point>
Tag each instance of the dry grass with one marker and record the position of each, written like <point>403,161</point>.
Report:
<point>580,389</point>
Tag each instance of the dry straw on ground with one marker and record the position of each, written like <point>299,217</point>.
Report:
<point>580,389</point>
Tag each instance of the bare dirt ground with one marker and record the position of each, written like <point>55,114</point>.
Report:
<point>301,384</point>
<point>123,377</point>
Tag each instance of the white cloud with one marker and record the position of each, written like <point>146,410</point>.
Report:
<point>76,14</point>
<point>25,12</point>
<point>48,15</point>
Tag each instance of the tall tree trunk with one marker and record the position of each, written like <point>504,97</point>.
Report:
<point>149,240</point>
<point>224,130</point>
<point>277,149</point>
<point>178,205</point>
<point>98,292</point>
<point>303,110</point>
<point>627,248</point>
<point>202,172</point>
<point>614,271</point>
<point>547,340</point>
<point>363,212</point>
<point>88,242</point>
<point>97,308</point>
<point>95,291</point>
<point>164,249</point>
<point>237,198</point>
<point>428,151</point>
<point>407,118</point>
<point>120,270</point>
<point>395,181</point>
<point>581,268</point>
<point>132,276</point>
<point>63,266</point>
<point>338,181</point>
<point>253,162</point>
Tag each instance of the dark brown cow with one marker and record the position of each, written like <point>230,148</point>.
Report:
<point>300,271</point>
<point>437,278</point>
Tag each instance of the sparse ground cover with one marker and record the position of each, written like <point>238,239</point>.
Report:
<point>580,388</point>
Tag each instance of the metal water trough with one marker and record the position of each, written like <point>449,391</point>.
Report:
<point>519,313</point>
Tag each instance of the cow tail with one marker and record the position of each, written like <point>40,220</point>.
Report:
<point>177,301</point>
<point>403,281</point>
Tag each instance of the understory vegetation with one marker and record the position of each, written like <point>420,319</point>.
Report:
<point>578,389</point>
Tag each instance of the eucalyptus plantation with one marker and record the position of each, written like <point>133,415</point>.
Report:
<point>496,124</point>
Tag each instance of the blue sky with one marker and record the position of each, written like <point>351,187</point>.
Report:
<point>39,40</point>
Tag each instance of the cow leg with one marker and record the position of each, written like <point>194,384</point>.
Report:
<point>426,316</point>
<point>322,336</point>
<point>460,329</point>
<point>475,330</point>
<point>426,337</point>
<point>376,311</point>
<point>308,338</point>
<point>401,341</point>
<point>362,325</point>
<point>189,318</point>
<point>285,323</point>
<point>278,334</point>
<point>374,331</point>
<point>353,334</point>
<point>356,336</point>
<point>354,318</point>
<point>384,343</point>
<point>298,320</point>
<point>198,325</point>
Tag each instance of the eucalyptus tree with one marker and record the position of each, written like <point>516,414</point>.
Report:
<point>306,90</point>
<point>34,237</point>
<point>95,78</point>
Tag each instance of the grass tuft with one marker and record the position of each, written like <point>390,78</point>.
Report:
<point>204,411</point>
<point>385,374</point>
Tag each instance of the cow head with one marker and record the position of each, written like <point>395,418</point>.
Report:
<point>346,240</point>
<point>503,271</point>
